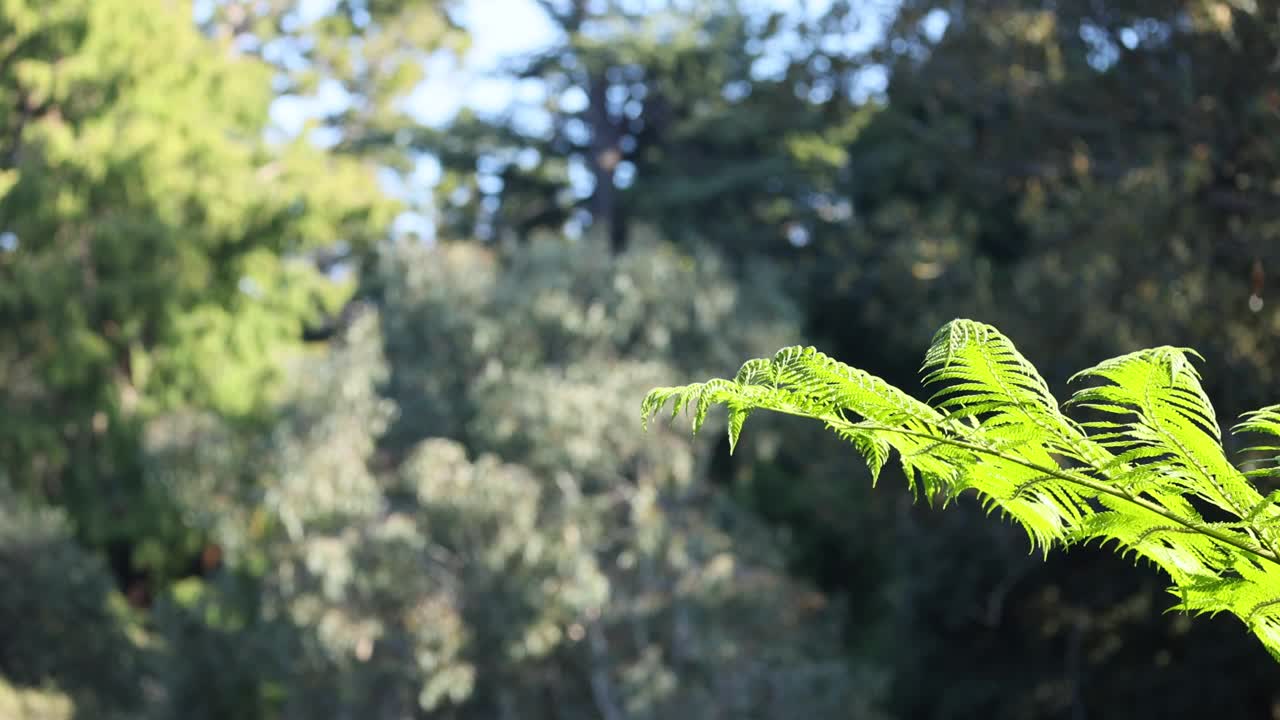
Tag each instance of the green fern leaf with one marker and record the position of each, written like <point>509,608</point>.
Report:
<point>1138,475</point>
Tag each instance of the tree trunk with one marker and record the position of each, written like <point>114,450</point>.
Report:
<point>604,158</point>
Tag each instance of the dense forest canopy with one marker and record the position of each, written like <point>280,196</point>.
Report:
<point>342,422</point>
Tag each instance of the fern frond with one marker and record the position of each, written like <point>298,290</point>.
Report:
<point>1265,421</point>
<point>1137,477</point>
<point>1172,427</point>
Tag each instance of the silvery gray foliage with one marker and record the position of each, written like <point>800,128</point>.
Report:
<point>511,546</point>
<point>458,315</point>
<point>321,448</point>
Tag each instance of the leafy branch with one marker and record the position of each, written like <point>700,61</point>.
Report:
<point>1146,470</point>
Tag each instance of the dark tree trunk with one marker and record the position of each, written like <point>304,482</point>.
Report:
<point>604,158</point>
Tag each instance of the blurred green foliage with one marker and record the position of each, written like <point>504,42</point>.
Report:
<point>266,456</point>
<point>155,250</point>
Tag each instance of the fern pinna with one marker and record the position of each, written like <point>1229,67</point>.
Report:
<point>1147,472</point>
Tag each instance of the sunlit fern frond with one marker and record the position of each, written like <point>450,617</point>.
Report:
<point>1150,476</point>
<point>1265,422</point>
<point>1161,419</point>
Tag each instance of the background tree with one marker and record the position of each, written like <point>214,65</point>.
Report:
<point>588,572</point>
<point>153,256</point>
<point>668,112</point>
<point>279,430</point>
<point>1062,171</point>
